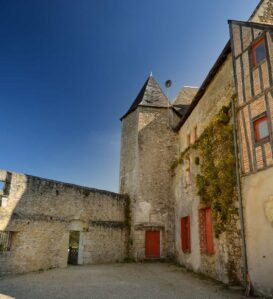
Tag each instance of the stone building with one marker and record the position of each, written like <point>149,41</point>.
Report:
<point>252,51</point>
<point>147,150</point>
<point>214,236</point>
<point>47,224</point>
<point>194,179</point>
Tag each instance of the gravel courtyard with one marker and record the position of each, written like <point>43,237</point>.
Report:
<point>120,281</point>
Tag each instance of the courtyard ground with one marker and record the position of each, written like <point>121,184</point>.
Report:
<point>118,281</point>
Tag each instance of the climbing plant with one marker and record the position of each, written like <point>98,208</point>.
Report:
<point>216,181</point>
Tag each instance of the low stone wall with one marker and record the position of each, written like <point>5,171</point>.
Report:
<point>40,213</point>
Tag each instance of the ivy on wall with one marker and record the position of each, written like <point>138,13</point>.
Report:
<point>216,181</point>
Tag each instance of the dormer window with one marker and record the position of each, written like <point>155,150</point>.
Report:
<point>258,52</point>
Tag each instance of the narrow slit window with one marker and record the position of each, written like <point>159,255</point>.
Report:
<point>258,52</point>
<point>261,128</point>
<point>188,139</point>
<point>195,133</point>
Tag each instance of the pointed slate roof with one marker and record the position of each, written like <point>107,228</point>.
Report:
<point>150,95</point>
<point>219,62</point>
<point>185,95</point>
<point>184,98</point>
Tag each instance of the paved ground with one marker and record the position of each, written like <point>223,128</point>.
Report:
<point>118,281</point>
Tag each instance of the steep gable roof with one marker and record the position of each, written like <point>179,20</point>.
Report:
<point>218,64</point>
<point>150,95</point>
<point>263,12</point>
<point>184,98</point>
<point>201,91</point>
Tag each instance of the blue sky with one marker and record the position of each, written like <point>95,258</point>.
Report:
<point>70,69</point>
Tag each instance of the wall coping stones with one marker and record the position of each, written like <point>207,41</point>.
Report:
<point>88,190</point>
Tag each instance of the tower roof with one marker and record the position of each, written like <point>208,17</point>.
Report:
<point>150,95</point>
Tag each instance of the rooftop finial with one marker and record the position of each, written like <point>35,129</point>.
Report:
<point>151,74</point>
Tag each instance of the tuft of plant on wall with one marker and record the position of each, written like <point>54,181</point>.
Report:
<point>216,181</point>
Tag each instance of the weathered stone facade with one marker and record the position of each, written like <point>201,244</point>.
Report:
<point>40,213</point>
<point>147,151</point>
<point>160,212</point>
<point>197,109</point>
<point>227,255</point>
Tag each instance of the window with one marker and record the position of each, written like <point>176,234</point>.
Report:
<point>261,128</point>
<point>206,231</point>
<point>258,52</point>
<point>186,234</point>
<point>195,133</point>
<point>5,241</point>
<point>2,187</point>
<point>188,139</point>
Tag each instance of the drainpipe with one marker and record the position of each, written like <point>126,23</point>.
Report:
<point>238,178</point>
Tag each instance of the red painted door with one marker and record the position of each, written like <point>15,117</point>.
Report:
<point>209,231</point>
<point>152,244</point>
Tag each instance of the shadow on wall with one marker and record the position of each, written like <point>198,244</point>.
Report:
<point>37,217</point>
<point>146,162</point>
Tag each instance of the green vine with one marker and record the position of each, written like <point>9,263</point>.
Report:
<point>216,181</point>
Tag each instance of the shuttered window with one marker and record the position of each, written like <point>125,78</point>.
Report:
<point>206,231</point>
<point>186,234</point>
<point>5,241</point>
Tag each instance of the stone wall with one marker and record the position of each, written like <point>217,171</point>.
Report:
<point>264,13</point>
<point>149,146</point>
<point>40,214</point>
<point>225,264</point>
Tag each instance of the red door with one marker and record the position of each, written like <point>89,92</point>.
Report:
<point>209,231</point>
<point>153,244</point>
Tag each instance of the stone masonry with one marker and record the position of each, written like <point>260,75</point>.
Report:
<point>158,213</point>
<point>40,213</point>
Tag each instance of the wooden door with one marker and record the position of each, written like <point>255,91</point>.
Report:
<point>209,232</point>
<point>152,244</point>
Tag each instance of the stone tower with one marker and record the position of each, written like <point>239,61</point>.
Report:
<point>148,148</point>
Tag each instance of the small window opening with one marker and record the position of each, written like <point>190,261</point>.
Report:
<point>188,139</point>
<point>5,241</point>
<point>261,129</point>
<point>258,52</point>
<point>2,187</point>
<point>195,133</point>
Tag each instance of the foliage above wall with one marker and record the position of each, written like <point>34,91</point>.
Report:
<point>216,181</point>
